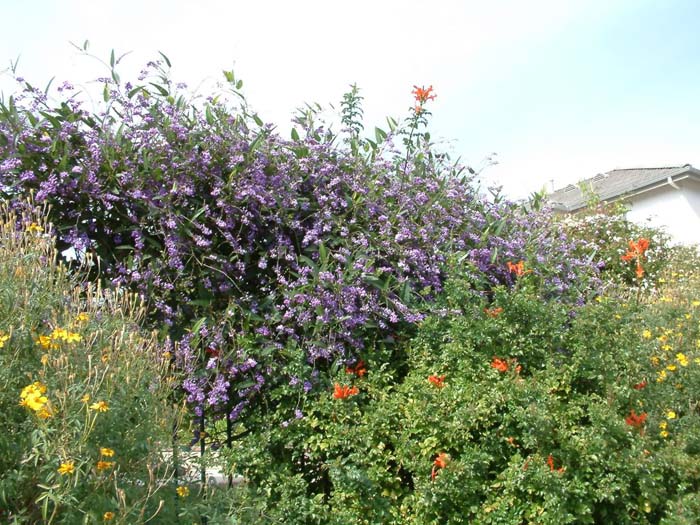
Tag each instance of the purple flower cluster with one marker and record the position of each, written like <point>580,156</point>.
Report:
<point>284,247</point>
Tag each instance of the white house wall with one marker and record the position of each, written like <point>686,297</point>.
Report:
<point>676,211</point>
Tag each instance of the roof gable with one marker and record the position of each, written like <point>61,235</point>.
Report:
<point>617,184</point>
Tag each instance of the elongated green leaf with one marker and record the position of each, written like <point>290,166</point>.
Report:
<point>167,60</point>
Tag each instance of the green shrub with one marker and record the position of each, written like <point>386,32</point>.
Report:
<point>512,410</point>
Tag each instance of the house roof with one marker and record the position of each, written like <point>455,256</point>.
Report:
<point>618,184</point>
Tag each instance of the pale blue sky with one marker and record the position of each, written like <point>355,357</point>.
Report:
<point>559,89</point>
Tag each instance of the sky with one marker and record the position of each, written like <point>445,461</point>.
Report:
<point>559,90</point>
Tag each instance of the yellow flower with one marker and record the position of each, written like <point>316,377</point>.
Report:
<point>661,377</point>
<point>45,359</point>
<point>106,452</point>
<point>662,338</point>
<point>44,413</point>
<point>183,492</point>
<point>646,334</point>
<point>670,414</point>
<point>682,359</point>
<point>664,433</point>
<point>672,368</point>
<point>108,516</point>
<point>34,227</point>
<point>696,303</point>
<point>82,317</point>
<point>3,337</point>
<point>100,406</point>
<point>655,361</point>
<point>46,343</point>
<point>85,398</point>
<point>72,337</point>
<point>66,468</point>
<point>663,425</point>
<point>666,347</point>
<point>104,465</point>
<point>32,397</point>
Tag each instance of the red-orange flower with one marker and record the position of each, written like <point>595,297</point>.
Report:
<point>636,253</point>
<point>499,364</point>
<point>423,95</point>
<point>550,463</point>
<point>438,381</point>
<point>344,391</point>
<point>441,461</point>
<point>640,386</point>
<point>517,268</point>
<point>493,312</point>
<point>359,369</point>
<point>636,420</point>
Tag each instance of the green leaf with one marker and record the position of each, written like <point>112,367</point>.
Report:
<point>229,76</point>
<point>167,60</point>
<point>257,120</point>
<point>295,134</point>
<point>380,135</point>
<point>112,60</point>
<point>161,89</point>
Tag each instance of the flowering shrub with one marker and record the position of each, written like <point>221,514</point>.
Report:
<point>84,403</point>
<point>269,258</point>
<point>540,414</point>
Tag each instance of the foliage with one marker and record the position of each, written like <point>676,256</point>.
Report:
<point>85,401</point>
<point>605,234</point>
<point>513,410</point>
<point>268,258</point>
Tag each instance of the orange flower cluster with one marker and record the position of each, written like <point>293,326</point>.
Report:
<point>517,268</point>
<point>423,95</point>
<point>440,462</point>
<point>359,369</point>
<point>636,253</point>
<point>640,386</point>
<point>636,420</point>
<point>344,391</point>
<point>438,381</point>
<point>493,312</point>
<point>499,364</point>
<point>550,463</point>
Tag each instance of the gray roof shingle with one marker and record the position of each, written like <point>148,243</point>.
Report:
<point>616,184</point>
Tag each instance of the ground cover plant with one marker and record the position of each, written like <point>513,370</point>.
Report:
<point>361,333</point>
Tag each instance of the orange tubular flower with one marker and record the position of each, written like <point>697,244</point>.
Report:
<point>438,381</point>
<point>636,420</point>
<point>640,386</point>
<point>344,391</point>
<point>499,364</point>
<point>517,268</point>
<point>441,461</point>
<point>359,369</point>
<point>636,253</point>
<point>423,95</point>
<point>493,312</point>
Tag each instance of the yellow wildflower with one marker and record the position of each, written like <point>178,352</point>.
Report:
<point>32,397</point>
<point>72,337</point>
<point>107,452</point>
<point>664,433</point>
<point>672,368</point>
<point>100,406</point>
<point>682,359</point>
<point>661,377</point>
<point>34,228</point>
<point>82,317</point>
<point>104,465</point>
<point>45,359</point>
<point>108,516</point>
<point>663,425</point>
<point>646,334</point>
<point>85,398</point>
<point>670,414</point>
<point>655,361</point>
<point>666,347</point>
<point>66,468</point>
<point>183,492</point>
<point>3,338</point>
<point>696,303</point>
